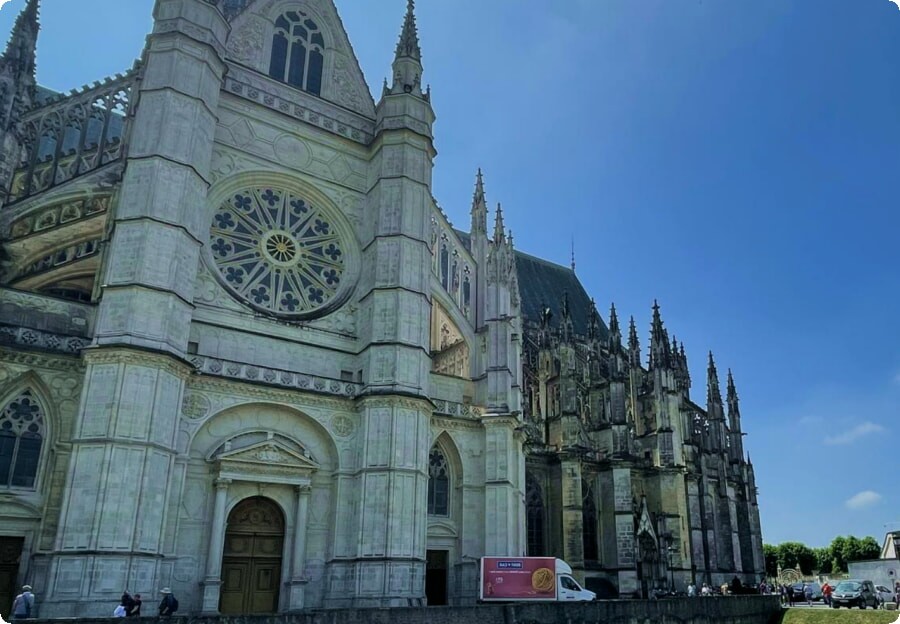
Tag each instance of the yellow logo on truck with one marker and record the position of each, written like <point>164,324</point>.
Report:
<point>543,579</point>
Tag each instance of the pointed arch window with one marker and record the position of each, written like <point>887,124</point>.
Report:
<point>589,523</point>
<point>298,52</point>
<point>534,516</point>
<point>22,433</point>
<point>438,483</point>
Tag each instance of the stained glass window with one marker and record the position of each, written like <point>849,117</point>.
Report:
<point>298,50</point>
<point>438,484</point>
<point>21,437</point>
<point>277,251</point>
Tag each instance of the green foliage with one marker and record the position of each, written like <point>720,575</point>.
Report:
<point>836,616</point>
<point>831,559</point>
<point>792,554</point>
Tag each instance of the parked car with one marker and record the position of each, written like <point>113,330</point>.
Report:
<point>885,594</point>
<point>799,596</point>
<point>854,593</point>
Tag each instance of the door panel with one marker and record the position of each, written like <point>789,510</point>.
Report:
<point>266,577</point>
<point>251,566</point>
<point>10,555</point>
<point>234,587</point>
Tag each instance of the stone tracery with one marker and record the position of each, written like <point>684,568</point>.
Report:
<point>277,252</point>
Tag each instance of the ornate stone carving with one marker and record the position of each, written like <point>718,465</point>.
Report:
<point>33,338</point>
<point>248,42</point>
<point>195,405</point>
<point>300,105</point>
<point>342,426</point>
<point>344,86</point>
<point>237,370</point>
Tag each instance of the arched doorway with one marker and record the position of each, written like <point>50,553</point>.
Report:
<point>251,562</point>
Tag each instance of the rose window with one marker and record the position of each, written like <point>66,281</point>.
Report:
<point>277,251</point>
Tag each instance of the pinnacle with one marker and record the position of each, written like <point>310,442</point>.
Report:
<point>408,46</point>
<point>613,319</point>
<point>499,229</point>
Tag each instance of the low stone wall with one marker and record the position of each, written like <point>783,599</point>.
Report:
<point>721,610</point>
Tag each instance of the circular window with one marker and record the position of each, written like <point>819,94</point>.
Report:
<point>278,252</point>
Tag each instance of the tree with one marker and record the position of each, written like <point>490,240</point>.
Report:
<point>823,559</point>
<point>792,554</point>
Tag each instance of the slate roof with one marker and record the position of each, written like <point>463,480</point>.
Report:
<point>545,283</point>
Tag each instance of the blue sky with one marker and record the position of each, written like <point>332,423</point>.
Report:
<point>737,161</point>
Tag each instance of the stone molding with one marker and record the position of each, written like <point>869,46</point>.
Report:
<point>47,341</point>
<point>299,105</point>
<point>272,376</point>
<point>38,360</point>
<point>116,355</point>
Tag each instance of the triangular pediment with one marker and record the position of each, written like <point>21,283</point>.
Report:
<point>268,453</point>
<point>645,523</point>
<point>250,44</point>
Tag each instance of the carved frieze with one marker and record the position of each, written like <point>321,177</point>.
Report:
<point>287,379</point>
<point>36,339</point>
<point>299,105</point>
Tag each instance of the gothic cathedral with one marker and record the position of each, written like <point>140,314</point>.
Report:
<point>245,355</point>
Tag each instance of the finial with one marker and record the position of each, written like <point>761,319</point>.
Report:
<point>408,46</point>
<point>613,319</point>
<point>573,253</point>
<point>499,229</point>
<point>732,391</point>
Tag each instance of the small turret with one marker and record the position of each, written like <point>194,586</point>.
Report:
<point>615,334</point>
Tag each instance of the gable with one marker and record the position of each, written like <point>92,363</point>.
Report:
<point>250,45</point>
<point>269,452</point>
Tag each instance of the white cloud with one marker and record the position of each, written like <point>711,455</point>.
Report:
<point>862,500</point>
<point>3,2</point>
<point>897,2</point>
<point>859,431</point>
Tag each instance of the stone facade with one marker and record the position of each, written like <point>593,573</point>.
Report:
<point>245,355</point>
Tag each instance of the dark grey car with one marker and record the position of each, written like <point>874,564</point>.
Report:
<point>854,593</point>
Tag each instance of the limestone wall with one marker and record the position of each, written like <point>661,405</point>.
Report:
<point>724,610</point>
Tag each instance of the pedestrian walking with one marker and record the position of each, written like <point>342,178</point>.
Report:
<point>691,590</point>
<point>23,605</point>
<point>790,595</point>
<point>807,593</point>
<point>136,607</point>
<point>169,604</point>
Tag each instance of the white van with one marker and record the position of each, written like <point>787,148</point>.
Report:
<point>506,579</point>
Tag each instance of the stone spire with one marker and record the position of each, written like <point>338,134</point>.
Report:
<point>407,66</point>
<point>634,345</point>
<point>499,230</point>
<point>734,411</point>
<point>479,207</point>
<point>713,394</point>
<point>408,46</point>
<point>568,329</point>
<point>18,60</point>
<point>614,323</point>
<point>659,340</point>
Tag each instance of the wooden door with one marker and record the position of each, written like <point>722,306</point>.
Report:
<point>251,566</point>
<point>10,556</point>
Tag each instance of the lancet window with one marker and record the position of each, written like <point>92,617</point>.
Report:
<point>298,52</point>
<point>22,433</point>
<point>438,483</point>
<point>452,265</point>
<point>534,516</point>
<point>589,523</point>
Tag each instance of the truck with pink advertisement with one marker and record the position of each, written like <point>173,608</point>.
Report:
<point>510,579</point>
